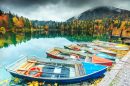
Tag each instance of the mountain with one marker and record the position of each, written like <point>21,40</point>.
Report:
<point>103,12</point>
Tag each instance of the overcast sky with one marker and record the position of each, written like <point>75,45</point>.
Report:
<point>56,10</point>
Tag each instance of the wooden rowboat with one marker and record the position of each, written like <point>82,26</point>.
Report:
<point>66,54</point>
<point>90,51</point>
<point>100,49</point>
<point>54,70</point>
<point>104,42</point>
<point>110,45</point>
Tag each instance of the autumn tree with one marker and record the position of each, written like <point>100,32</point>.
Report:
<point>3,22</point>
<point>10,23</point>
<point>27,25</point>
<point>19,24</point>
<point>46,27</point>
<point>15,20</point>
<point>10,20</point>
<point>1,12</point>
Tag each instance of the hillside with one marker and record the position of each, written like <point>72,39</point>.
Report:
<point>93,20</point>
<point>102,13</point>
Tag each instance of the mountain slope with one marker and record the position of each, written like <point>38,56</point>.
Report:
<point>103,12</point>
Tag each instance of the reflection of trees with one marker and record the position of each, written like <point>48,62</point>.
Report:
<point>19,37</point>
<point>6,44</point>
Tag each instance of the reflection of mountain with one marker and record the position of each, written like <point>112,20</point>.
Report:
<point>103,12</point>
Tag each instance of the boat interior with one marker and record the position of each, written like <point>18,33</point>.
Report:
<point>67,54</point>
<point>57,68</point>
<point>82,49</point>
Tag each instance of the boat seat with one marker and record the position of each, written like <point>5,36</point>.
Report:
<point>72,72</point>
<point>54,52</point>
<point>79,69</point>
<point>57,70</point>
<point>26,65</point>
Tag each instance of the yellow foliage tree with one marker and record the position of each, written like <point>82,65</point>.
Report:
<point>15,20</point>
<point>41,27</point>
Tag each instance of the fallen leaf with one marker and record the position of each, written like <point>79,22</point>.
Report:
<point>1,65</point>
<point>48,85</point>
<point>1,82</point>
<point>6,81</point>
<point>16,80</point>
<point>41,83</point>
<point>55,84</point>
<point>4,84</point>
<point>29,82</point>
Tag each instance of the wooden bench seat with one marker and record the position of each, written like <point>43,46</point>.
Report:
<point>54,52</point>
<point>26,65</point>
<point>79,69</point>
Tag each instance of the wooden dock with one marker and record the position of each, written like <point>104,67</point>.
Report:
<point>107,80</point>
<point>123,38</point>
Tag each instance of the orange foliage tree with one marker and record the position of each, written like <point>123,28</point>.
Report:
<point>46,27</point>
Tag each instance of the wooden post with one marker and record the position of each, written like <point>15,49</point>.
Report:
<point>110,36</point>
<point>121,36</point>
<point>121,33</point>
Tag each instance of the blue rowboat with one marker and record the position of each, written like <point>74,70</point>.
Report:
<point>55,70</point>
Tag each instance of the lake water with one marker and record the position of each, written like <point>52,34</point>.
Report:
<point>16,45</point>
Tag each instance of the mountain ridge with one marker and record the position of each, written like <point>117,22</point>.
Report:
<point>101,13</point>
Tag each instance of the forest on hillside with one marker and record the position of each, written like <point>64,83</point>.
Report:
<point>11,22</point>
<point>15,29</point>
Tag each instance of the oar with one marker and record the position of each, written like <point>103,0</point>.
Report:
<point>40,71</point>
<point>47,64</point>
<point>44,63</point>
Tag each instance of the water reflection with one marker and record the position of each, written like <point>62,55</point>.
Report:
<point>14,46</point>
<point>19,37</point>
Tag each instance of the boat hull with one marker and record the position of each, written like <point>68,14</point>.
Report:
<point>100,63</point>
<point>110,54</point>
<point>53,56</point>
<point>61,81</point>
<point>67,48</point>
<point>112,59</point>
<point>105,63</point>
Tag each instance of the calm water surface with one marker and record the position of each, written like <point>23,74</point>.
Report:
<point>16,45</point>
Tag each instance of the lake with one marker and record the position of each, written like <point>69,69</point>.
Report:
<point>14,46</point>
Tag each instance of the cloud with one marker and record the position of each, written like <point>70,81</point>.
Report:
<point>56,10</point>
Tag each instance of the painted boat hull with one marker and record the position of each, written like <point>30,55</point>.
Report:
<point>62,81</point>
<point>55,57</point>
<point>106,56</point>
<point>105,63</point>
<point>100,63</point>
<point>110,54</point>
